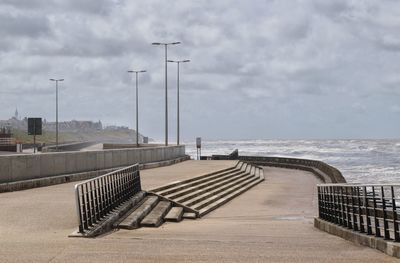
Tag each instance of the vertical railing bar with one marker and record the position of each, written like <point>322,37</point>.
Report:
<point>360,213</point>
<point>319,202</point>
<point>112,186</point>
<point>97,199</point>
<point>326,203</point>
<point>366,201</point>
<point>385,222</point>
<point>92,202</point>
<point>89,212</point>
<point>376,221</point>
<point>349,223</point>
<point>78,210</point>
<point>353,208</point>
<point>395,218</point>
<point>84,208</point>
<point>328,206</point>
<point>343,211</point>
<point>101,196</point>
<point>335,217</point>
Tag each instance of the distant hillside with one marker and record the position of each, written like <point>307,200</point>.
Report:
<point>106,136</point>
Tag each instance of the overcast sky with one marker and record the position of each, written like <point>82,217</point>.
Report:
<point>260,69</point>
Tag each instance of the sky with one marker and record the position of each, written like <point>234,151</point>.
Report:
<point>271,69</point>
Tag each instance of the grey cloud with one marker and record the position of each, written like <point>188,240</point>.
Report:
<point>275,66</point>
<point>23,26</point>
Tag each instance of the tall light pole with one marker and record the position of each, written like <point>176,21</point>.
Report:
<point>178,62</point>
<point>137,103</point>
<point>56,80</point>
<point>166,85</point>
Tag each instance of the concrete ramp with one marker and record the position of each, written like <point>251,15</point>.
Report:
<point>193,197</point>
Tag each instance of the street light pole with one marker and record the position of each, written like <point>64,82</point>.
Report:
<point>166,85</point>
<point>178,62</point>
<point>137,103</point>
<point>56,80</point>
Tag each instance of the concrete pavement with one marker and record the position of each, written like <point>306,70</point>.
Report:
<point>272,222</point>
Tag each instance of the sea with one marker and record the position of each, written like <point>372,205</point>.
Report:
<point>360,161</point>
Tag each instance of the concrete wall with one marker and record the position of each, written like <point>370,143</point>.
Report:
<point>68,147</point>
<point>20,167</point>
<point>329,173</point>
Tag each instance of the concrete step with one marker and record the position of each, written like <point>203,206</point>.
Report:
<point>211,188</point>
<point>189,215</point>
<point>175,214</point>
<point>262,174</point>
<point>240,164</point>
<point>202,195</point>
<point>215,198</point>
<point>193,182</point>
<point>156,217</point>
<point>214,181</point>
<point>227,198</point>
<point>253,170</point>
<point>191,192</point>
<point>162,188</point>
<point>237,164</point>
<point>244,166</point>
<point>248,168</point>
<point>133,220</point>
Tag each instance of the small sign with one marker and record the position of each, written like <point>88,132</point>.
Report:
<point>198,142</point>
<point>34,126</point>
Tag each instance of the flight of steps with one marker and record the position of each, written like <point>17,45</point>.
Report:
<point>194,197</point>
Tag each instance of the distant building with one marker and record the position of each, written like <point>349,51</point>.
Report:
<point>15,122</point>
<point>74,126</point>
<point>16,114</point>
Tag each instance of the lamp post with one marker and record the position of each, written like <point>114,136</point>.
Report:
<point>56,80</point>
<point>166,85</point>
<point>137,103</point>
<point>178,62</point>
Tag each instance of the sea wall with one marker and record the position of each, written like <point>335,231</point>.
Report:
<point>68,147</point>
<point>20,167</point>
<point>326,172</point>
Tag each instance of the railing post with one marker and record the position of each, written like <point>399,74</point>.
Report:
<point>368,219</point>
<point>78,210</point>
<point>335,206</point>
<point>360,213</point>
<point>349,224</point>
<point>329,204</point>
<point>340,205</point>
<point>376,220</point>
<point>395,218</point>
<point>385,219</point>
<point>344,214</point>
<point>353,209</point>
<point>319,202</point>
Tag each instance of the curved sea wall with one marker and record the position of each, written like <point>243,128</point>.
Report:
<point>326,172</point>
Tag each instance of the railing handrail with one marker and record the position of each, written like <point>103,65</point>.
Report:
<point>358,185</point>
<point>104,175</point>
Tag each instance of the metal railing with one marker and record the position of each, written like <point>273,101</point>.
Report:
<point>97,197</point>
<point>369,209</point>
<point>7,141</point>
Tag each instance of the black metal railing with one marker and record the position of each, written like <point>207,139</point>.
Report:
<point>97,197</point>
<point>369,209</point>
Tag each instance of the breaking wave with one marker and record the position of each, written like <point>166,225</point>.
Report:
<point>360,161</point>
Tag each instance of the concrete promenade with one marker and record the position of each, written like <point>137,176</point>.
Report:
<point>272,222</point>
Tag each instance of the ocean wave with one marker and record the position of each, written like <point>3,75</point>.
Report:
<point>366,161</point>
